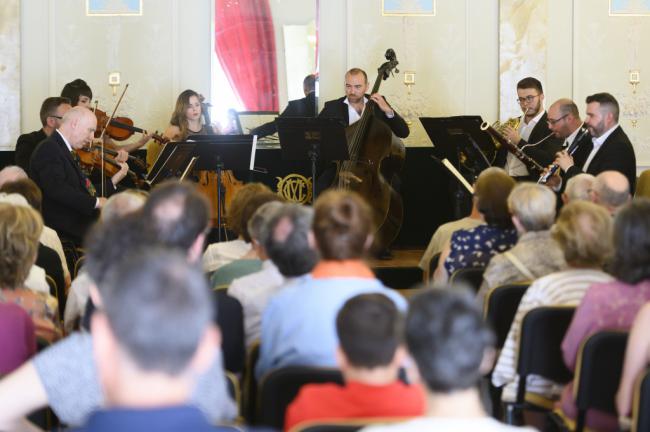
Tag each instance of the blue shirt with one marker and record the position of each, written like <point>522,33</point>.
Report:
<point>475,247</point>
<point>299,323</point>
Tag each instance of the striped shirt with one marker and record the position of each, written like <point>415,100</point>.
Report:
<point>565,288</point>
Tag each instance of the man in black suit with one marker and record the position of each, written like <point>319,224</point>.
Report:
<point>533,135</point>
<point>52,111</point>
<point>305,107</point>
<point>609,150</point>
<point>70,201</point>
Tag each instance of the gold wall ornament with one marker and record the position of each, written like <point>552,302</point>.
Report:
<point>295,188</point>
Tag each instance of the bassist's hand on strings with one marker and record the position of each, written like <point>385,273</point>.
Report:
<point>382,104</point>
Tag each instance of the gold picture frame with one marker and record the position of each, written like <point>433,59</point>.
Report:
<point>93,8</point>
<point>628,14</point>
<point>394,8</point>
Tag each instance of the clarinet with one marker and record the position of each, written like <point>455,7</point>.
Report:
<point>571,150</point>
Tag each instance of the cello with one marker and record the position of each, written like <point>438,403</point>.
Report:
<point>375,156</point>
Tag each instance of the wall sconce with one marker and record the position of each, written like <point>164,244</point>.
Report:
<point>635,79</point>
<point>409,80</point>
<point>114,81</point>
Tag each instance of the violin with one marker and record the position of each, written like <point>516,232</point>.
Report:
<point>91,158</point>
<point>118,128</point>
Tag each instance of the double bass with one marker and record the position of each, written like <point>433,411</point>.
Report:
<point>375,158</point>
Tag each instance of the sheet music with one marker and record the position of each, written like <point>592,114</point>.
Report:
<point>253,150</point>
<point>458,175</point>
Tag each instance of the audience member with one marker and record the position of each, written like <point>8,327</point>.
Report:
<point>151,340</point>
<point>11,173</point>
<point>20,229</point>
<point>218,254</point>
<point>583,232</point>
<point>611,190</point>
<point>370,353</point>
<point>579,187</point>
<point>298,323</point>
<point>474,247</point>
<point>452,348</point>
<point>287,236</point>
<point>536,253</point>
<point>612,305</point>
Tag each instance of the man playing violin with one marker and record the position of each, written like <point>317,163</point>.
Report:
<point>533,135</point>
<point>70,200</point>
<point>51,113</point>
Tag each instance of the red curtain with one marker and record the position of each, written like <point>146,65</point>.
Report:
<point>245,46</point>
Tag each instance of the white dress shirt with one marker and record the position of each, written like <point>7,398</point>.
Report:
<point>514,167</point>
<point>598,143</point>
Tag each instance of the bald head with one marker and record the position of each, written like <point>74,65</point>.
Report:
<point>78,126</point>
<point>563,117</point>
<point>611,190</point>
<point>11,173</point>
<point>122,204</point>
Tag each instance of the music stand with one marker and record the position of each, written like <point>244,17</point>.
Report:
<point>216,152</point>
<point>309,138</point>
<point>171,162</point>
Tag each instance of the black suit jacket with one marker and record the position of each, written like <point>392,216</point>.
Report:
<point>544,152</point>
<point>339,110</point>
<point>616,154</point>
<point>26,145</point>
<point>304,107</point>
<point>68,207</point>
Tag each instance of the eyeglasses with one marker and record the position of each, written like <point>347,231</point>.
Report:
<point>528,99</point>
<point>56,117</point>
<point>552,122</point>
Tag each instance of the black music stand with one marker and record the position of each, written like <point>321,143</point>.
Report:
<point>219,152</point>
<point>309,138</point>
<point>171,162</point>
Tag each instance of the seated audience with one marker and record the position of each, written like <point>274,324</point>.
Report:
<point>452,348</point>
<point>637,357</point>
<point>612,305</point>
<point>116,206</point>
<point>370,353</point>
<point>583,232</point>
<point>579,187</point>
<point>218,254</point>
<point>63,376</point>
<point>298,323</point>
<point>443,234</point>
<point>290,255</point>
<point>11,173</point>
<point>536,253</point>
<point>151,340</point>
<point>20,229</point>
<point>611,190</point>
<point>17,337</point>
<point>256,213</point>
<point>474,247</point>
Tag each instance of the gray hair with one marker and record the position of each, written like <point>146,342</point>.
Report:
<point>534,206</point>
<point>258,224</point>
<point>612,189</point>
<point>11,173</point>
<point>122,203</point>
<point>579,187</point>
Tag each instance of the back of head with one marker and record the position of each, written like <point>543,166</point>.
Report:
<point>579,187</point>
<point>20,230</point>
<point>176,214</point>
<point>122,203</point>
<point>11,173</point>
<point>631,261</point>
<point>254,203</point>
<point>309,83</point>
<point>533,205</point>
<point>28,189</point>
<point>584,233</point>
<point>287,240</point>
<point>491,194</point>
<point>608,103</point>
<point>612,189</point>
<point>370,328</point>
<point>530,82</point>
<point>447,337</point>
<point>236,221</point>
<point>258,224</point>
<point>49,106</point>
<point>74,89</point>
<point>158,308</point>
<point>342,225</point>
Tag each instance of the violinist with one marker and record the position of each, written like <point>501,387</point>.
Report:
<point>70,200</point>
<point>186,120</point>
<point>52,111</point>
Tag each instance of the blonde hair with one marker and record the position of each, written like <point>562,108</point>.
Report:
<point>240,199</point>
<point>534,206</point>
<point>584,232</point>
<point>20,230</point>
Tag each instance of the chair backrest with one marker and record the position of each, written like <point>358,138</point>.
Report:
<point>540,352</point>
<point>598,372</point>
<point>250,383</point>
<point>230,318</point>
<point>78,265</point>
<point>470,276</point>
<point>433,265</point>
<point>17,337</point>
<point>640,412</point>
<point>500,308</point>
<point>280,386</point>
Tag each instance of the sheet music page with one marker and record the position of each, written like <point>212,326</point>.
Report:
<point>253,150</point>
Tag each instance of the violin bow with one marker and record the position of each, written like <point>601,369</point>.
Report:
<point>101,136</point>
